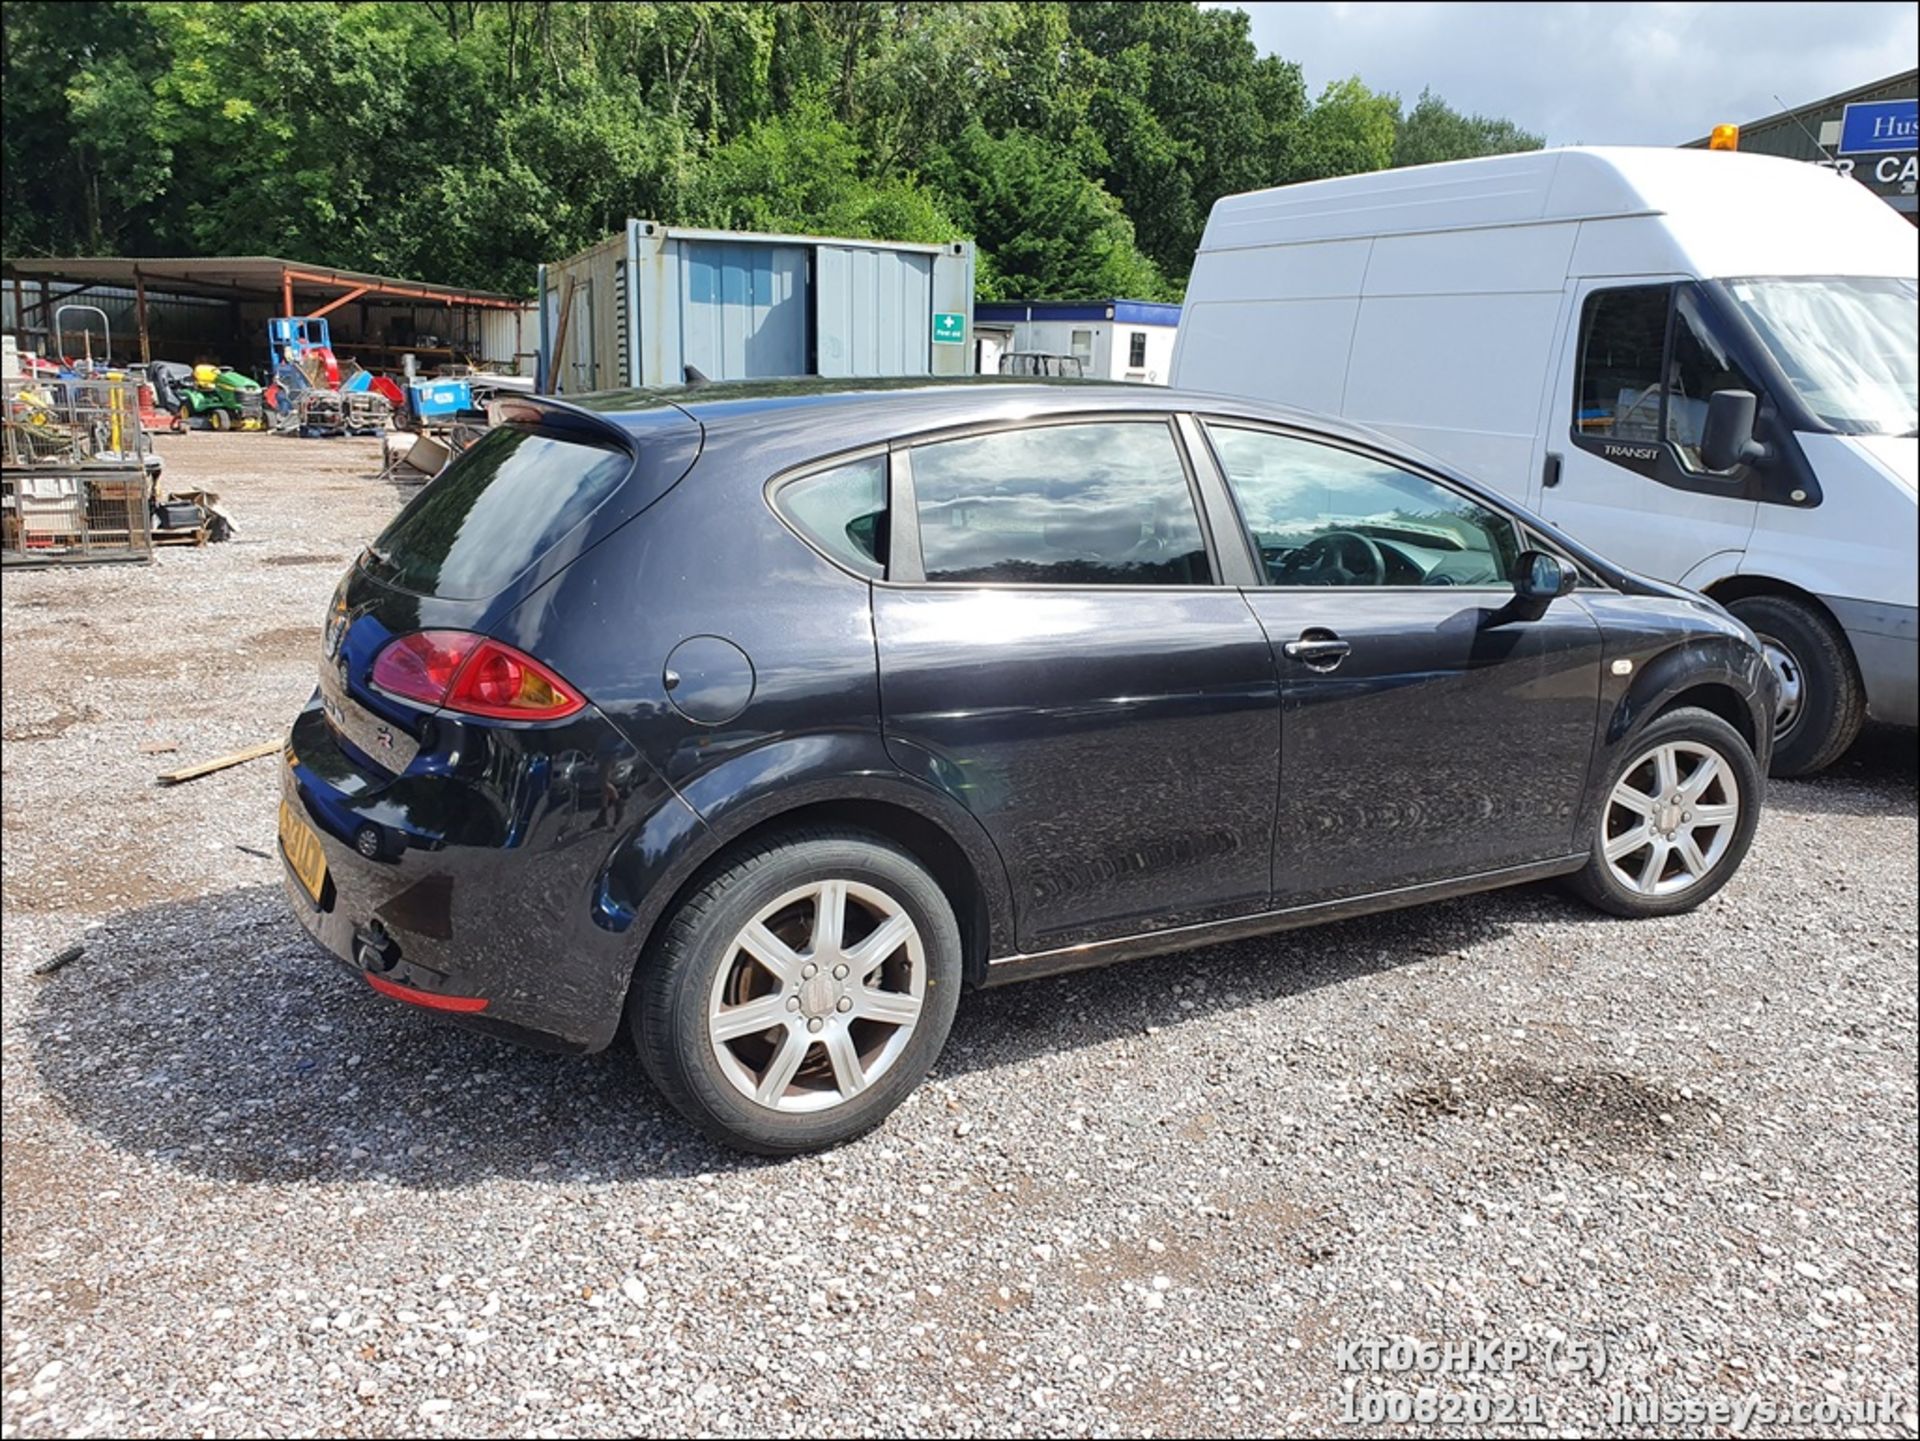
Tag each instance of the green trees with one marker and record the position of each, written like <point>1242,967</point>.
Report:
<point>464,141</point>
<point>1044,227</point>
<point>1435,131</point>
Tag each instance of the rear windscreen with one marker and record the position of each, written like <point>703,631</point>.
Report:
<point>493,512</point>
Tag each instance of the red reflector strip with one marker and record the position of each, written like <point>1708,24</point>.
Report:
<point>425,998</point>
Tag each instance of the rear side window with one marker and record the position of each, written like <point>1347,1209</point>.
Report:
<point>1100,503</point>
<point>494,512</point>
<point>844,512</point>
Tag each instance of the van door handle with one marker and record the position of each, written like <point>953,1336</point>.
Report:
<point>1550,470</point>
<point>1317,649</point>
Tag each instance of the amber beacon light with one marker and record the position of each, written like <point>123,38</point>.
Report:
<point>1724,137</point>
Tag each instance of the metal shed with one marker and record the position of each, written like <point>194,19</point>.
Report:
<point>645,303</point>
<point>193,307</point>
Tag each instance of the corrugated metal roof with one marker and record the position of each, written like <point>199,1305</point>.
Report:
<point>227,275</point>
<point>1893,87</point>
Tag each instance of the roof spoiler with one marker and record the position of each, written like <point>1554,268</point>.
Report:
<point>557,418</point>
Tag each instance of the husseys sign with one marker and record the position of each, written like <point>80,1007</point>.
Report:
<point>1878,143</point>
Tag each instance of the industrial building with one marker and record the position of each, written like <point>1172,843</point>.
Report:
<point>216,308</point>
<point>1871,132</point>
<point>651,300</point>
<point>1098,339</point>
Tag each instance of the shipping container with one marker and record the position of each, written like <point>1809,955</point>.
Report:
<point>649,301</point>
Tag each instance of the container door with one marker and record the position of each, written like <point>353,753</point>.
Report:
<point>872,311</point>
<point>744,309</point>
<point>573,369</point>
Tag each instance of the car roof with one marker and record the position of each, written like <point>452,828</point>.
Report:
<point>846,414</point>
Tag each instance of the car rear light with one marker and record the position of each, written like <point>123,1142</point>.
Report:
<point>460,671</point>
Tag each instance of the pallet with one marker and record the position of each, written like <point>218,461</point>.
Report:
<point>195,536</point>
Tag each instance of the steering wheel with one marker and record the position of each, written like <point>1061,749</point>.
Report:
<point>1340,557</point>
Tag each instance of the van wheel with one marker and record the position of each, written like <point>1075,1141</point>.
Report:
<point>800,993</point>
<point>1675,820</point>
<point>1821,702</point>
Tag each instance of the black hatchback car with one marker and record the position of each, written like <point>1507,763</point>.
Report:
<point>760,720</point>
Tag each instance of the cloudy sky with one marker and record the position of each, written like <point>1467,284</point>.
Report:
<point>1625,74</point>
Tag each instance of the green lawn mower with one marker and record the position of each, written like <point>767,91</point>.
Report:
<point>224,399</point>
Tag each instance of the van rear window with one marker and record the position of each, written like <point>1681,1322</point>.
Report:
<point>493,512</point>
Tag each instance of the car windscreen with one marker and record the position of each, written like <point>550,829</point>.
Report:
<point>1847,345</point>
<point>494,511</point>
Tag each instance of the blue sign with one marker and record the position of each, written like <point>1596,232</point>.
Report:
<point>1875,127</point>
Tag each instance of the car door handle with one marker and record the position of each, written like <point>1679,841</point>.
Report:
<point>1550,471</point>
<point>1317,649</point>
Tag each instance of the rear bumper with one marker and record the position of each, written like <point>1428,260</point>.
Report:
<point>1886,646</point>
<point>476,877</point>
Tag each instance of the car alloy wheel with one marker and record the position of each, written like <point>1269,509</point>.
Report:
<point>818,996</point>
<point>1671,818</point>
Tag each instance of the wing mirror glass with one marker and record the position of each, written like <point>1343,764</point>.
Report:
<point>1543,577</point>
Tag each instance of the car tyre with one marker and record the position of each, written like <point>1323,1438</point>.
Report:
<point>1669,832</point>
<point>1823,703</point>
<point>852,1036</point>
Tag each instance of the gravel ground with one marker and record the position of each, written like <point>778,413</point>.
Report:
<point>243,1195</point>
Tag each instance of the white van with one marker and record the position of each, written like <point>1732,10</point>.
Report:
<point>1581,328</point>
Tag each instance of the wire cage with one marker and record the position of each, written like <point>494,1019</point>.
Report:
<point>77,471</point>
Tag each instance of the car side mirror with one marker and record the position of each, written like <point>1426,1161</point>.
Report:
<point>1727,440</point>
<point>1539,580</point>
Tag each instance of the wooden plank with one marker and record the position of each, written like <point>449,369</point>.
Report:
<point>251,753</point>
<point>560,337</point>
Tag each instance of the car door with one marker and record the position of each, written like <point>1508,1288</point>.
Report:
<point>1623,469</point>
<point>1056,652</point>
<point>1424,736</point>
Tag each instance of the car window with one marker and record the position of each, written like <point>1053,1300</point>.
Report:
<point>1099,503</point>
<point>1636,387</point>
<point>1623,335</point>
<point>843,511</point>
<point>1700,367</point>
<point>498,508</point>
<point>1323,516</point>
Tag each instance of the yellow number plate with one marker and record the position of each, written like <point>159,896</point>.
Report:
<point>302,849</point>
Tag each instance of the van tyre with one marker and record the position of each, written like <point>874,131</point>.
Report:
<point>1823,703</point>
<point>800,991</point>
<point>1675,817</point>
